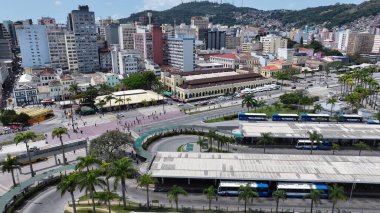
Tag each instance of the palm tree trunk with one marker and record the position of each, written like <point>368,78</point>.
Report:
<point>360,152</point>
<point>30,159</point>
<point>147,196</point>
<point>264,147</point>
<point>63,151</point>
<point>93,201</point>
<point>73,201</point>
<point>108,199</point>
<point>176,205</point>
<point>311,208</point>
<point>13,177</point>
<point>311,148</point>
<point>277,201</point>
<point>333,208</point>
<point>209,204</point>
<point>123,193</point>
<point>245,206</point>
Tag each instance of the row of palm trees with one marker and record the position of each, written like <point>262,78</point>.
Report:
<point>360,88</point>
<point>27,137</point>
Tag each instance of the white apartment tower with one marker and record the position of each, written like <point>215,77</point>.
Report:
<point>343,40</point>
<point>376,44</point>
<point>271,43</point>
<point>33,41</point>
<point>57,47</point>
<point>181,53</point>
<point>71,52</point>
<point>126,32</point>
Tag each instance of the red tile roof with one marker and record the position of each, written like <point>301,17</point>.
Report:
<point>270,67</point>
<point>279,61</point>
<point>226,56</point>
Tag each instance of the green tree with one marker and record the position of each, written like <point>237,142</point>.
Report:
<point>9,165</point>
<point>89,181</point>
<point>210,193</point>
<point>74,88</point>
<point>105,89</point>
<point>26,137</point>
<point>247,193</point>
<point>109,99</point>
<point>266,138</point>
<point>211,135</point>
<point>106,169</point>
<point>23,118</point>
<point>249,101</point>
<point>315,197</point>
<point>278,195</point>
<point>86,162</point>
<point>201,142</point>
<point>314,137</point>
<point>335,147</point>
<point>69,183</point>
<point>332,101</point>
<point>58,132</point>
<point>109,145</point>
<point>101,104</point>
<point>336,194</point>
<point>282,76</point>
<point>123,169</point>
<point>8,116</point>
<point>361,146</point>
<point>146,180</point>
<point>317,108</point>
<point>174,193</point>
<point>119,100</point>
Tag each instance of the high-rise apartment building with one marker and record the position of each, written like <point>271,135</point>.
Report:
<point>57,47</point>
<point>33,41</point>
<point>376,44</point>
<point>129,61</point>
<point>71,52</point>
<point>158,45</point>
<point>144,44</point>
<point>216,40</point>
<point>82,23</point>
<point>12,31</point>
<point>360,43</point>
<point>271,43</point>
<point>47,21</point>
<point>126,32</point>
<point>112,33</point>
<point>199,22</point>
<point>343,40</point>
<point>180,53</point>
<point>5,43</point>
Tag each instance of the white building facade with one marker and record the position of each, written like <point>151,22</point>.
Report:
<point>181,53</point>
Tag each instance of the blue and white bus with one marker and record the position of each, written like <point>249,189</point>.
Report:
<point>252,116</point>
<point>350,118</point>
<point>305,144</point>
<point>302,190</point>
<point>229,188</point>
<point>285,117</point>
<point>315,117</point>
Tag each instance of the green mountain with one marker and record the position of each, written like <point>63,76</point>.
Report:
<point>227,14</point>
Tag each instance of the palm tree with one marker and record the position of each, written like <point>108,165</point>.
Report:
<point>315,197</point>
<point>58,132</point>
<point>101,104</point>
<point>106,197</point>
<point>74,88</point>
<point>9,165</point>
<point>89,181</point>
<point>201,142</point>
<point>211,134</point>
<point>336,193</point>
<point>335,147</point>
<point>68,184</point>
<point>332,101</point>
<point>282,76</point>
<point>127,100</point>
<point>247,193</point>
<point>25,137</point>
<point>279,195</point>
<point>109,98</point>
<point>249,101</point>
<point>122,169</point>
<point>266,138</point>
<point>318,108</point>
<point>361,146</point>
<point>210,193</point>
<point>106,169</point>
<point>144,181</point>
<point>119,100</point>
<point>314,136</point>
<point>173,194</point>
<point>86,162</point>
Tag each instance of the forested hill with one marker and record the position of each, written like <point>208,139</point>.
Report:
<point>227,14</point>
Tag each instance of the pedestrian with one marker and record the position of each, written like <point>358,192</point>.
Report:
<point>95,124</point>
<point>81,131</point>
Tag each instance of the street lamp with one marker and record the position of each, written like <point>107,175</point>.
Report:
<point>352,190</point>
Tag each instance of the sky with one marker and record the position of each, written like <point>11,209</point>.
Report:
<point>23,9</point>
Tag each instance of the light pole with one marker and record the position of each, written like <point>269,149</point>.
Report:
<point>352,190</point>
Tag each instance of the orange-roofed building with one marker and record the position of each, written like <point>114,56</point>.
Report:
<point>269,70</point>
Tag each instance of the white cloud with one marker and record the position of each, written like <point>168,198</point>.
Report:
<point>160,4</point>
<point>57,2</point>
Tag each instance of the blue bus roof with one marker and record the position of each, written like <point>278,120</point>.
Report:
<point>316,115</point>
<point>276,114</point>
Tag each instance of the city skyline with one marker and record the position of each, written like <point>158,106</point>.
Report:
<point>59,9</point>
